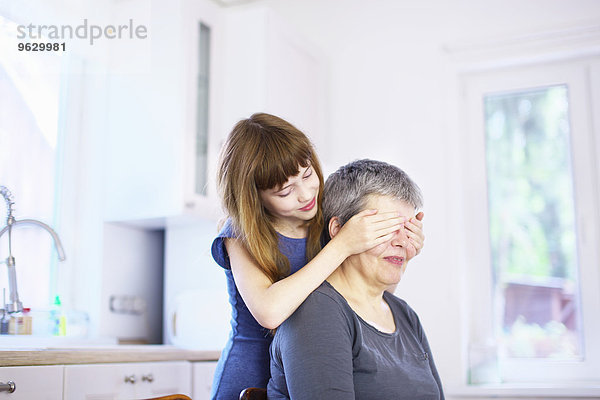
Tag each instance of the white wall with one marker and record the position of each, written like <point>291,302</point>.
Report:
<point>394,96</point>
<point>197,311</point>
<point>132,277</point>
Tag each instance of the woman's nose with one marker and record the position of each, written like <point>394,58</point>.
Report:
<point>400,238</point>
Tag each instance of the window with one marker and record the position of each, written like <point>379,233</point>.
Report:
<point>532,223</point>
<point>29,145</point>
<point>533,194</point>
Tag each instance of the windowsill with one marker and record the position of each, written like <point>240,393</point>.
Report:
<point>581,389</point>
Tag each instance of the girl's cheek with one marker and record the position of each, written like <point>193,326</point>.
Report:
<point>316,182</point>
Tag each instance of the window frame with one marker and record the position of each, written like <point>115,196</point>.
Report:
<point>580,77</point>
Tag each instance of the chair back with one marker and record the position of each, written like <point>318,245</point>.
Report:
<point>253,394</point>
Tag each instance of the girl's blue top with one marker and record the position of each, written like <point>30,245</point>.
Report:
<point>244,361</point>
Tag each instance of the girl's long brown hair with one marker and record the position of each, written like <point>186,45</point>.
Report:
<point>261,153</point>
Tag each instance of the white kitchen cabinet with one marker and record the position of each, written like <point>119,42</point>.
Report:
<point>127,380</point>
<point>153,166</point>
<point>164,131</point>
<point>202,376</point>
<point>272,68</point>
<point>40,382</point>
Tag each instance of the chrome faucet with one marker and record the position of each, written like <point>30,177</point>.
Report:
<point>15,304</point>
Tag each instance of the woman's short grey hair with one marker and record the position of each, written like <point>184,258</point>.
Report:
<point>347,189</point>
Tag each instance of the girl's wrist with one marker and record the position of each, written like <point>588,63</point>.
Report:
<point>340,247</point>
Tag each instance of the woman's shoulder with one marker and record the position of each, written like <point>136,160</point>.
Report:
<point>328,294</point>
<point>326,302</point>
<point>323,308</point>
<point>402,309</point>
<point>392,298</point>
<point>398,302</point>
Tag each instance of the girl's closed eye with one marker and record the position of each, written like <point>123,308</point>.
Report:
<point>308,173</point>
<point>285,194</point>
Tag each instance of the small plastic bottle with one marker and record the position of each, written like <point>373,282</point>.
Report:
<point>59,321</point>
<point>27,322</point>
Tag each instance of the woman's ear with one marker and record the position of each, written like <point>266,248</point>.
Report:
<point>334,226</point>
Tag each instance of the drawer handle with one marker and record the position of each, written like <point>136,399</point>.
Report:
<point>148,378</point>
<point>130,379</point>
<point>9,387</point>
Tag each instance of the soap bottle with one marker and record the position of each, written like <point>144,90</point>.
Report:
<point>27,322</point>
<point>59,321</point>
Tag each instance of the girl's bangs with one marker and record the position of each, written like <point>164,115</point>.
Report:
<point>279,166</point>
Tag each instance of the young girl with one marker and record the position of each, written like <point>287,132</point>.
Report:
<point>271,185</point>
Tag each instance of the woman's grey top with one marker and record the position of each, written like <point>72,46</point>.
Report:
<point>326,351</point>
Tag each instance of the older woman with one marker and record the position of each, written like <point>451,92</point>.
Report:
<point>351,339</point>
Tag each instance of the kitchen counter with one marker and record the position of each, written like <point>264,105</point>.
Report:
<point>102,354</point>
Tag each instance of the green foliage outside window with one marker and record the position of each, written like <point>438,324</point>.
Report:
<point>532,222</point>
<point>530,190</point>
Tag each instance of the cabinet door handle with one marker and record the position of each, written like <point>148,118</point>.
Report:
<point>149,378</point>
<point>130,379</point>
<point>9,387</point>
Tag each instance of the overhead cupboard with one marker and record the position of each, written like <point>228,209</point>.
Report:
<point>167,125</point>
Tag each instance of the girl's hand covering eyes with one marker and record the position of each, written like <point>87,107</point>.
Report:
<point>368,229</point>
<point>414,231</point>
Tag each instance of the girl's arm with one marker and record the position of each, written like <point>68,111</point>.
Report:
<point>272,303</point>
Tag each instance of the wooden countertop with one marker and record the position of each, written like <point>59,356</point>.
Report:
<point>102,354</point>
